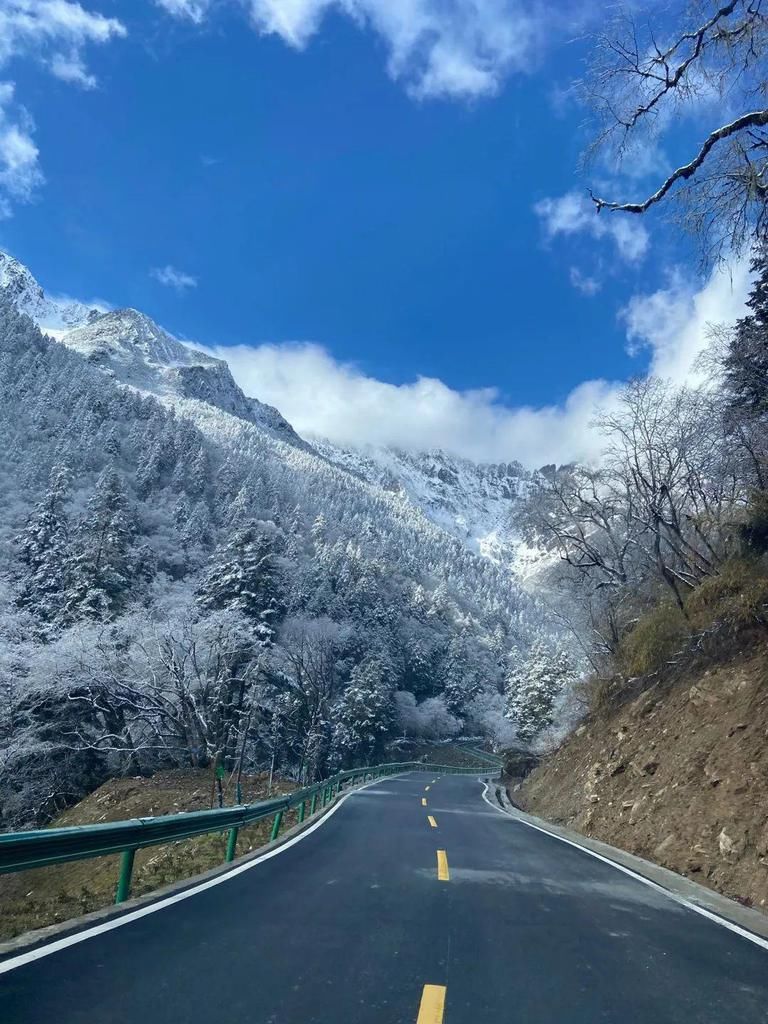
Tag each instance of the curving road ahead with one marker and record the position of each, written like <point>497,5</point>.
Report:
<point>363,921</point>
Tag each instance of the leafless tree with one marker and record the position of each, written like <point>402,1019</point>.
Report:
<point>181,691</point>
<point>645,77</point>
<point>659,511</point>
<point>681,481</point>
<point>307,671</point>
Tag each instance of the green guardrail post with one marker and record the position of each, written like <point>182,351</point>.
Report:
<point>231,844</point>
<point>126,871</point>
<point>313,805</point>
<point>276,826</point>
<point>301,812</point>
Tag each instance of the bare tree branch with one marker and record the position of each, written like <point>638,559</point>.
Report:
<point>757,118</point>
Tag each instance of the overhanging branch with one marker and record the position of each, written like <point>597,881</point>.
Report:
<point>754,119</point>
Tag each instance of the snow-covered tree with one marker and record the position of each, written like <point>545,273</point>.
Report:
<point>363,715</point>
<point>101,570</point>
<point>44,552</point>
<point>243,575</point>
<point>533,687</point>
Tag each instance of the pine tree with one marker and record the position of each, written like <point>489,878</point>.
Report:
<point>746,360</point>
<point>243,576</point>
<point>44,550</point>
<point>461,682</point>
<point>364,714</point>
<point>101,571</point>
<point>533,687</point>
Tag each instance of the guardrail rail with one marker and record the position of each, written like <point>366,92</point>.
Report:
<point>38,848</point>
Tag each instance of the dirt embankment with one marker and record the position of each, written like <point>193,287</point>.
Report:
<point>34,899</point>
<point>679,776</point>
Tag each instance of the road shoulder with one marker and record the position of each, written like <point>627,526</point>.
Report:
<point>683,889</point>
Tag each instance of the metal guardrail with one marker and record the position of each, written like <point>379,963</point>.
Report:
<point>485,756</point>
<point>42,847</point>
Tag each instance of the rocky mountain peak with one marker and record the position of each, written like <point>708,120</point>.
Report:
<point>27,295</point>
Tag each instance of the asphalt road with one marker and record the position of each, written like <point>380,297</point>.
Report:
<point>349,925</point>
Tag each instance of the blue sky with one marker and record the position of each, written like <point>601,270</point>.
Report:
<point>414,210</point>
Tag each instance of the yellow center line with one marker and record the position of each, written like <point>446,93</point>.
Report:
<point>432,1005</point>
<point>423,801</point>
<point>442,867</point>
<point>431,821</point>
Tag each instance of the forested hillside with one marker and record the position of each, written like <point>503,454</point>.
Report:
<point>179,582</point>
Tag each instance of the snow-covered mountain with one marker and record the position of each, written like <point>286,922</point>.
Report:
<point>476,503</point>
<point>132,349</point>
<point>28,297</point>
<point>136,351</point>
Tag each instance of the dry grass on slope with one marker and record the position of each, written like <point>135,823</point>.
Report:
<point>34,899</point>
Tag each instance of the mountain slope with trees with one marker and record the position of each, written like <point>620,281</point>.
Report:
<point>183,581</point>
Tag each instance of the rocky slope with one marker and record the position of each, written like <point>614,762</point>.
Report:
<point>679,776</point>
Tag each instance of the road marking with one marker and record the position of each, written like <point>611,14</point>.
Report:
<point>443,874</point>
<point>431,821</point>
<point>743,932</point>
<point>426,788</point>
<point>161,904</point>
<point>434,781</point>
<point>432,1005</point>
<point>423,801</point>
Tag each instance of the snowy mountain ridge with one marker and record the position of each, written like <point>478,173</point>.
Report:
<point>473,502</point>
<point>28,297</point>
<point>135,351</point>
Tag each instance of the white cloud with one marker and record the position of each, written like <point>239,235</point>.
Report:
<point>573,213</point>
<point>322,397</point>
<point>193,10</point>
<point>673,322</point>
<point>171,277</point>
<point>72,69</point>
<point>20,172</point>
<point>584,283</point>
<point>435,48</point>
<point>55,32</point>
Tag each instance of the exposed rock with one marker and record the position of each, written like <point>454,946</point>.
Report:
<point>637,809</point>
<point>727,844</point>
<point>664,847</point>
<point>690,785</point>
<point>701,696</point>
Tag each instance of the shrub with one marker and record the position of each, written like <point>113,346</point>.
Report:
<point>753,531</point>
<point>736,599</point>
<point>655,638</point>
<point>597,693</point>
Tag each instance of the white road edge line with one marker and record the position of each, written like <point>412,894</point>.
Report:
<point>757,939</point>
<point>134,915</point>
